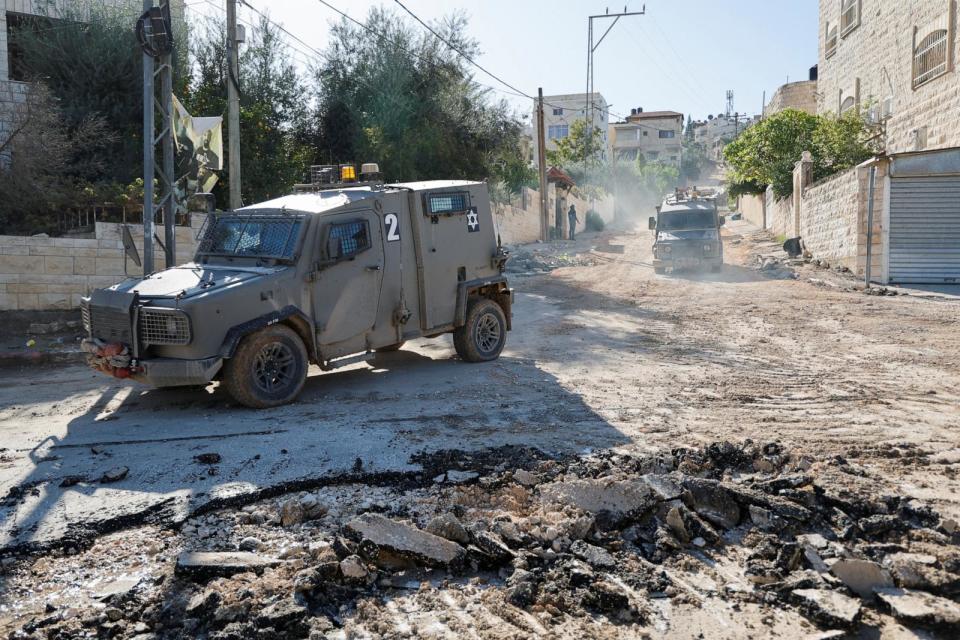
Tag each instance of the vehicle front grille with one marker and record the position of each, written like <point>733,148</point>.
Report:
<point>163,327</point>
<point>110,325</point>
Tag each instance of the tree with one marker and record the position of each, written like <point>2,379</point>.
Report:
<point>765,154</point>
<point>395,94</point>
<point>40,160</point>
<point>579,145</point>
<point>90,61</point>
<point>273,152</point>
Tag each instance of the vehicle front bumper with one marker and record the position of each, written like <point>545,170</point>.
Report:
<point>687,262</point>
<point>173,372</point>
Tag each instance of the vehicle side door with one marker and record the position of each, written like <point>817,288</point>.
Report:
<point>346,285</point>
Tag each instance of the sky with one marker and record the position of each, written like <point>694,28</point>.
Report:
<point>682,55</point>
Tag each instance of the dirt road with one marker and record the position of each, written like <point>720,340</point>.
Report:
<point>604,355</point>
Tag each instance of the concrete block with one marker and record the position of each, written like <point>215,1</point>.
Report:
<point>28,301</point>
<point>85,266</point>
<point>65,288</point>
<point>8,302</point>
<point>15,250</point>
<point>21,264</point>
<point>27,287</point>
<point>53,301</point>
<point>51,251</point>
<point>56,265</point>
<point>84,252</point>
<point>109,266</point>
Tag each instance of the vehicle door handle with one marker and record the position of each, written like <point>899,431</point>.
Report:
<point>373,267</point>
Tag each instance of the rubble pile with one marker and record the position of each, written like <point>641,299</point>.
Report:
<point>552,547</point>
<point>543,258</point>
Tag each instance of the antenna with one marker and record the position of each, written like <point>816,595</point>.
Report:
<point>729,102</point>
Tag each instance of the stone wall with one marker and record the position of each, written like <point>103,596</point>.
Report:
<point>780,215</point>
<point>41,273</point>
<point>873,63</point>
<point>794,95</point>
<point>519,220</point>
<point>752,208</point>
<point>828,218</point>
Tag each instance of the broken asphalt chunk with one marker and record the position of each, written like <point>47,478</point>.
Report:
<point>593,555</point>
<point>712,501</point>
<point>780,506</point>
<point>861,576</point>
<point>114,475</point>
<point>406,541</point>
<point>201,565</point>
<point>829,608</point>
<point>615,499</point>
<point>920,608</point>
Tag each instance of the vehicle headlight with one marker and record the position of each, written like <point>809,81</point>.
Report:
<point>168,327</point>
<point>707,248</point>
<point>666,248</point>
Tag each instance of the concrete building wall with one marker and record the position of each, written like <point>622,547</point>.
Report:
<point>873,63</point>
<point>753,210</point>
<point>564,110</point>
<point>41,273</point>
<point>518,222</point>
<point>794,95</point>
<point>642,135</point>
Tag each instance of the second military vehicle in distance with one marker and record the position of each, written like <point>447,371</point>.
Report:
<point>687,233</point>
<point>329,275</point>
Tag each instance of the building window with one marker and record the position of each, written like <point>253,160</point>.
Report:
<point>929,56</point>
<point>848,103</point>
<point>830,46</point>
<point>644,133</point>
<point>664,133</point>
<point>849,16</point>
<point>557,131</point>
<point>557,111</point>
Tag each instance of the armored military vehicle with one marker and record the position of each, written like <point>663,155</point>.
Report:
<point>687,233</point>
<point>328,275</point>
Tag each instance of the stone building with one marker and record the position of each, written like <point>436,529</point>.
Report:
<point>656,135</point>
<point>897,60</point>
<point>793,95</point>
<point>17,14</point>
<point>561,111</point>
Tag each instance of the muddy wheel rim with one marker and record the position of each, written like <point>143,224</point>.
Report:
<point>274,367</point>
<point>488,333</point>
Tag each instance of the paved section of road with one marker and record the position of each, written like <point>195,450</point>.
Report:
<point>608,355</point>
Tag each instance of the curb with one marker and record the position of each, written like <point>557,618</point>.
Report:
<point>35,358</point>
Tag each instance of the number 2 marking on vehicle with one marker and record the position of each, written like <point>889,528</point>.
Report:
<point>392,223</point>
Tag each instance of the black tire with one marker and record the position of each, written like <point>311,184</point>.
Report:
<point>484,334</point>
<point>392,348</point>
<point>268,369</point>
<point>660,270</point>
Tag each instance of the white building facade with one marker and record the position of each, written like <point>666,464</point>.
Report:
<point>657,136</point>
<point>561,111</point>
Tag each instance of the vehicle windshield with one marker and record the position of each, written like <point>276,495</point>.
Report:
<point>687,220</point>
<point>251,236</point>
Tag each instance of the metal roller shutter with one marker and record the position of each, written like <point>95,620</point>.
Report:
<point>925,230</point>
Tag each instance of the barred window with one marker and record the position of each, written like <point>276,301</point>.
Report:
<point>353,237</point>
<point>830,46</point>
<point>930,57</point>
<point>849,16</point>
<point>447,203</point>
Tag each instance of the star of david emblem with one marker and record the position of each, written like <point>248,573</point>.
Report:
<point>473,221</point>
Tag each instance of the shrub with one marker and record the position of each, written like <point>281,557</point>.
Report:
<point>593,221</point>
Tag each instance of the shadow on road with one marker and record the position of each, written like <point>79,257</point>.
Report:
<point>368,420</point>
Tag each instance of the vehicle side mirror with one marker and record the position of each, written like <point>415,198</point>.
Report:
<point>652,223</point>
<point>723,220</point>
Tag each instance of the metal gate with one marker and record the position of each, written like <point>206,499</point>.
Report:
<point>925,230</point>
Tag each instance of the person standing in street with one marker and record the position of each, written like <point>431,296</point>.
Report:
<point>572,220</point>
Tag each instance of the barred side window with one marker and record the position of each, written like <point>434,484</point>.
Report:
<point>353,237</point>
<point>930,56</point>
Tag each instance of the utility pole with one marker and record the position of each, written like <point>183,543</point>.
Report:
<point>233,104</point>
<point>588,109</point>
<point>155,31</point>
<point>542,157</point>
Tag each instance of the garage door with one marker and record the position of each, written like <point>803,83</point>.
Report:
<point>925,230</point>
